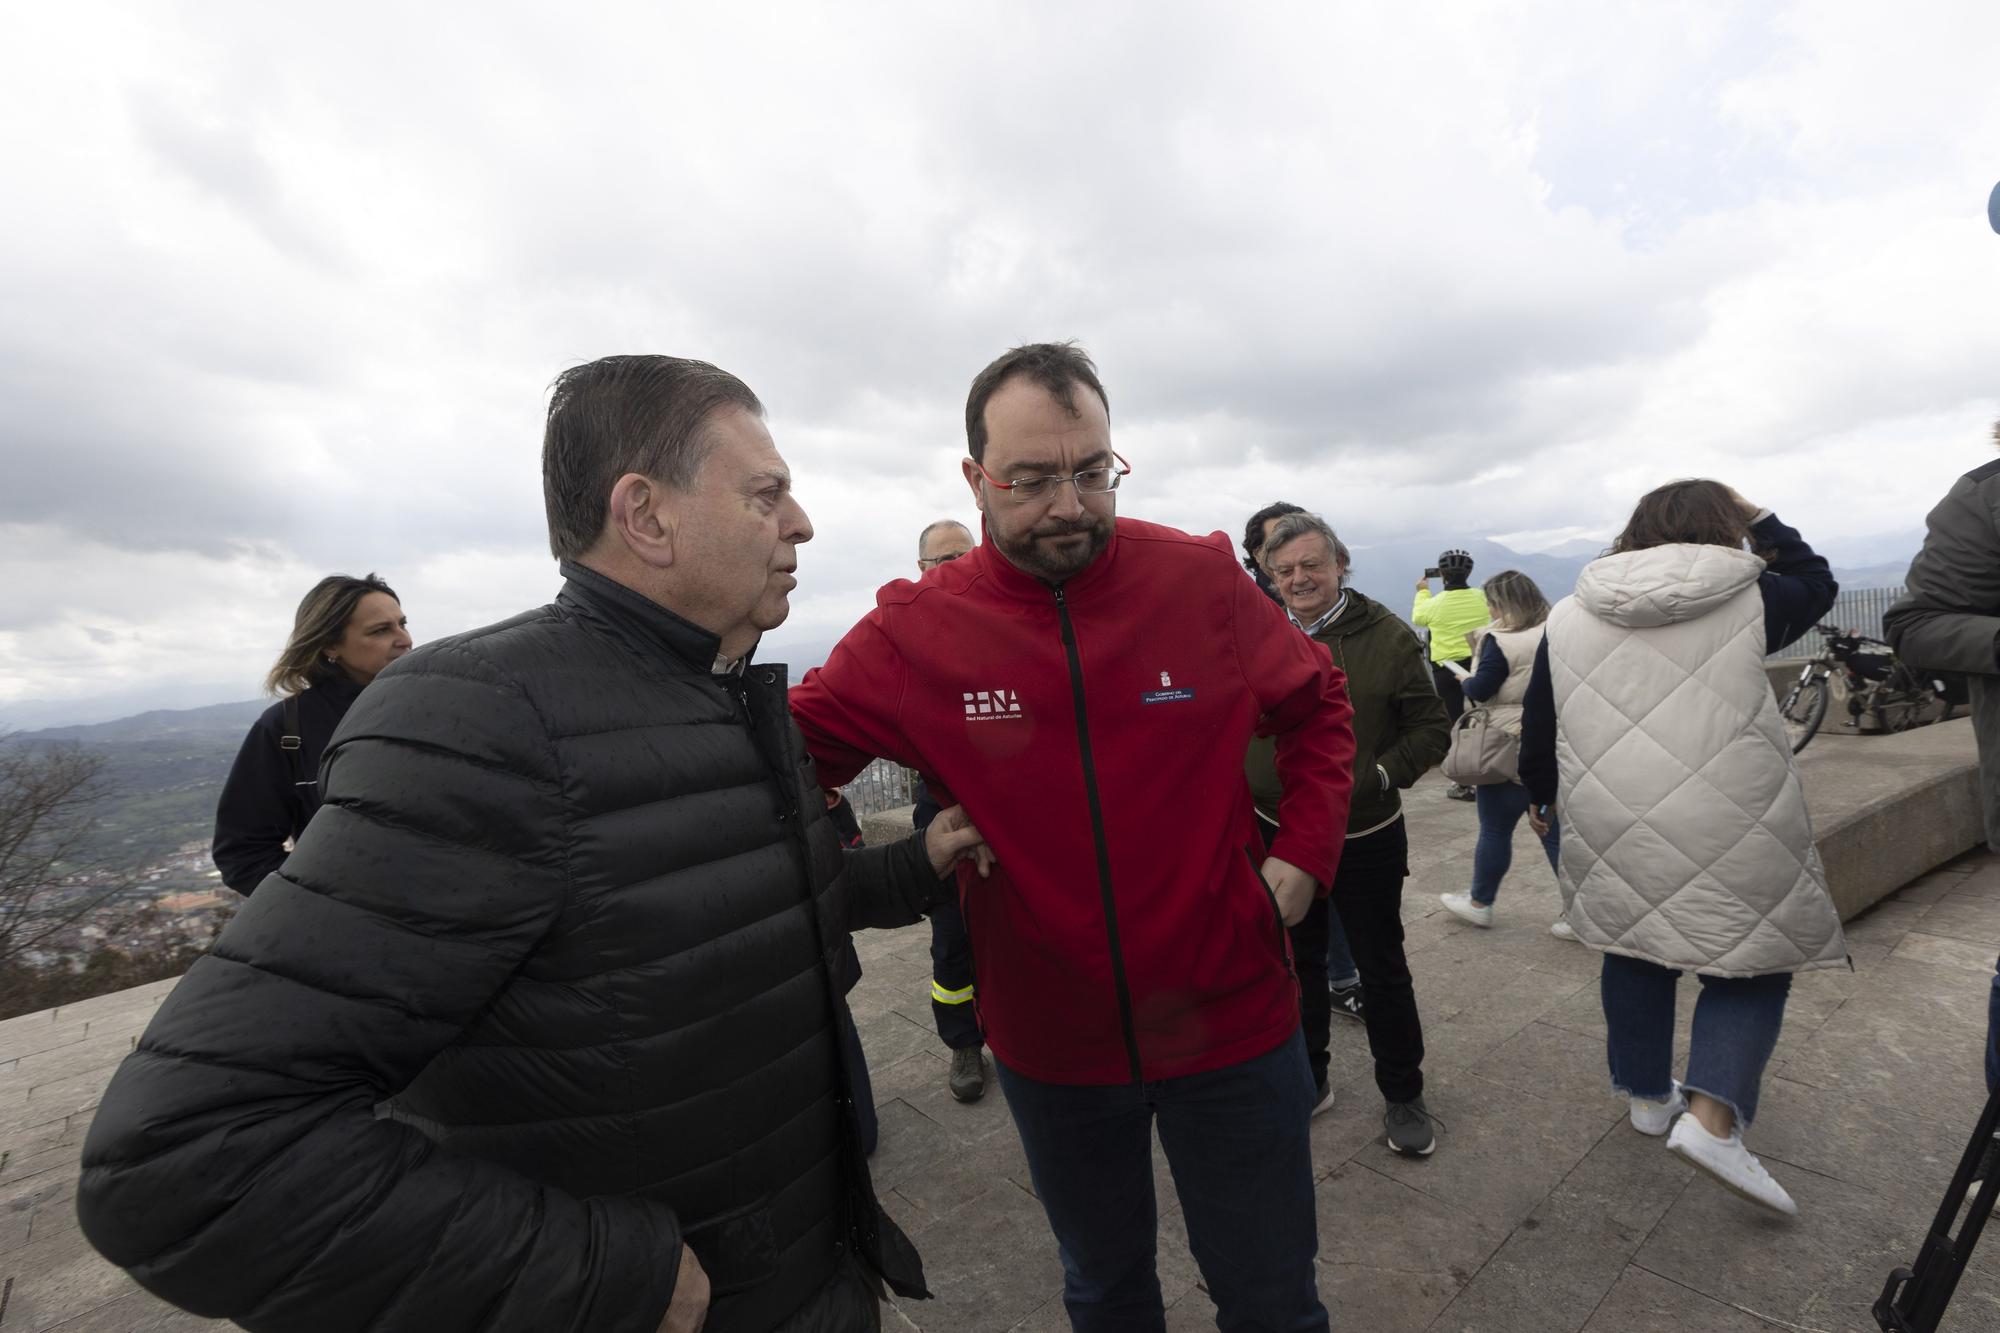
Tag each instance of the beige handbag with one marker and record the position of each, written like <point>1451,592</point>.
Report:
<point>1481,753</point>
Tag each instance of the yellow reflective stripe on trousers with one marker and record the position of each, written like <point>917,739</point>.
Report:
<point>943,996</point>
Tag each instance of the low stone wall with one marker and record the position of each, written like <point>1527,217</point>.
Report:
<point>1888,808</point>
<point>887,825</point>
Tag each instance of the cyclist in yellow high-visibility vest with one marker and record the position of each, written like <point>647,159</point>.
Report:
<point>1449,616</point>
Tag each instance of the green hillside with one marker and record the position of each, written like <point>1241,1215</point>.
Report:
<point>163,772</point>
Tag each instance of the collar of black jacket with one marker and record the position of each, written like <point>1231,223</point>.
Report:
<point>640,619</point>
<point>339,690</point>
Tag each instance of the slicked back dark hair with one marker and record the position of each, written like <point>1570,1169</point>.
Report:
<point>1056,367</point>
<point>1253,531</point>
<point>619,414</point>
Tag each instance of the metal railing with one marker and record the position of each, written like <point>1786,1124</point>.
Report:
<point>1861,609</point>
<point>881,786</point>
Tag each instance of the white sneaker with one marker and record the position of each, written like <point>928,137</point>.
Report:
<point>1461,906</point>
<point>1656,1118</point>
<point>1561,930</point>
<point>1325,1099</point>
<point>1732,1165</point>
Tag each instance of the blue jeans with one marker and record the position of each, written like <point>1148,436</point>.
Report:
<point>1736,1023</point>
<point>1500,806</point>
<point>1236,1140</point>
<point>1993,1035</point>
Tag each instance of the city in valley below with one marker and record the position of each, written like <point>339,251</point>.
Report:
<point>178,899</point>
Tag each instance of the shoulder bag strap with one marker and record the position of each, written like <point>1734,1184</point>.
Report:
<point>292,743</point>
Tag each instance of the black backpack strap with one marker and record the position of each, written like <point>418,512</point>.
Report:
<point>292,743</point>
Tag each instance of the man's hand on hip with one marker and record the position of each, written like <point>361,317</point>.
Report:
<point>689,1310</point>
<point>1292,887</point>
<point>953,837</point>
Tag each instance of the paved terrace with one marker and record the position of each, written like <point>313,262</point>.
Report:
<point>1541,1209</point>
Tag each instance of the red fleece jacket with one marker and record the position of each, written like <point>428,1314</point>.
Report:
<point>1095,733</point>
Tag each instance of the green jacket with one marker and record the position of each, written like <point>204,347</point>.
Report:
<point>1399,721</point>
<point>1450,616</point>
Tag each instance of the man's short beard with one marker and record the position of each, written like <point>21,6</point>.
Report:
<point>1051,566</point>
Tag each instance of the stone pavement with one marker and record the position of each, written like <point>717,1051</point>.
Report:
<point>1541,1210</point>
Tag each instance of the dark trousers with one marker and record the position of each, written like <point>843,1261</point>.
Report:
<point>852,1059</point>
<point>1320,956</point>
<point>1368,894</point>
<point>1449,689</point>
<point>857,1080</point>
<point>1993,1035</point>
<point>951,955</point>
<point>951,978</point>
<point>1236,1141</point>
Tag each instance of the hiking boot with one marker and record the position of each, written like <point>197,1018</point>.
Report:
<point>967,1079</point>
<point>1561,930</point>
<point>1656,1118</point>
<point>1322,1097</point>
<point>1461,906</point>
<point>1348,1003</point>
<point>1732,1165</point>
<point>1458,791</point>
<point>1409,1126</point>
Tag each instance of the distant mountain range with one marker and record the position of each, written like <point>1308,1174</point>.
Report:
<point>1388,571</point>
<point>161,724</point>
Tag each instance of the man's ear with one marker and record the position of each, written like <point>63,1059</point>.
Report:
<point>642,514</point>
<point>972,479</point>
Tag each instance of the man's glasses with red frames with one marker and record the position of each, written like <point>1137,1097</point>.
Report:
<point>1090,481</point>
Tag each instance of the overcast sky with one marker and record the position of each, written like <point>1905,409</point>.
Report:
<point>282,290</point>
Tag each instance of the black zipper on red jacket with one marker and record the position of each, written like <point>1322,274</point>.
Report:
<point>1097,833</point>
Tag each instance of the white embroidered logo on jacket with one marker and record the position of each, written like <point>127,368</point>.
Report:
<point>992,705</point>
<point>1685,836</point>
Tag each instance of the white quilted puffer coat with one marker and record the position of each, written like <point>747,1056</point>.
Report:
<point>1685,835</point>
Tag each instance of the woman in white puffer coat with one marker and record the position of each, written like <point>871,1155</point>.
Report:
<point>1651,724</point>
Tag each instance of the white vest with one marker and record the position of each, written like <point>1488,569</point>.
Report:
<point>1685,835</point>
<point>1518,647</point>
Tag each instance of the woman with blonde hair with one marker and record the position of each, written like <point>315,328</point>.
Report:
<point>346,631</point>
<point>1505,652</point>
<point>1688,846</point>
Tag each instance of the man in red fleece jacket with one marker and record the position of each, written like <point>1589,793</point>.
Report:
<point>1085,686</point>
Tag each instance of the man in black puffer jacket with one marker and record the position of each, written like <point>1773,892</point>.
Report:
<point>537,1028</point>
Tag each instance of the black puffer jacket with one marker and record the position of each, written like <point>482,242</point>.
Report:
<point>576,917</point>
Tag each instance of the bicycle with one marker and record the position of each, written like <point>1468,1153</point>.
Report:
<point>1878,686</point>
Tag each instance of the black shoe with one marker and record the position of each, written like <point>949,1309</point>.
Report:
<point>967,1079</point>
<point>1409,1126</point>
<point>1348,1003</point>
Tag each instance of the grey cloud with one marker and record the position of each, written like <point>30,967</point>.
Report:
<point>224,161</point>
<point>312,303</point>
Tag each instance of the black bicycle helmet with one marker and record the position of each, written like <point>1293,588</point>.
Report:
<point>1454,564</point>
